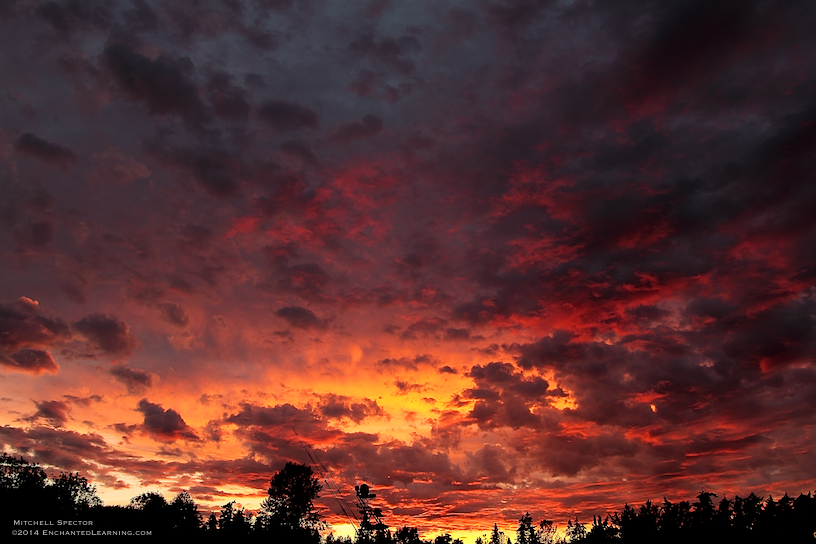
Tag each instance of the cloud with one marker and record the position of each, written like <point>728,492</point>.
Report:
<point>173,313</point>
<point>404,387</point>
<point>268,430</point>
<point>83,401</point>
<point>299,150</point>
<point>113,167</point>
<point>71,17</point>
<point>287,116</point>
<point>57,447</point>
<point>107,334</point>
<point>211,166</point>
<point>340,406</point>
<point>599,237</point>
<point>393,52</point>
<point>370,127</point>
<point>32,236</point>
<point>406,363</point>
<point>53,411</point>
<point>33,146</point>
<point>228,102</point>
<point>30,361</point>
<point>137,381</point>
<point>165,84</point>
<point>307,280</point>
<point>164,425</point>
<point>24,331</point>
<point>272,416</point>
<point>301,318</point>
<point>23,324</point>
<point>456,334</point>
<point>424,327</point>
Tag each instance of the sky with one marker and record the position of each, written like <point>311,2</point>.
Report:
<point>489,256</point>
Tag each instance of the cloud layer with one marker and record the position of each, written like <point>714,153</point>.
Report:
<point>556,253</point>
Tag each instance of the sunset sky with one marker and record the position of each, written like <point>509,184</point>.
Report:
<point>490,256</point>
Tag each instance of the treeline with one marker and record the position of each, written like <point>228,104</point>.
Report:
<point>288,515</point>
<point>743,520</point>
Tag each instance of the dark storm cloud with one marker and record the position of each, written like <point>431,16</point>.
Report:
<point>198,236</point>
<point>456,334</point>
<point>83,401</point>
<point>369,127</point>
<point>299,150</point>
<point>565,455</point>
<point>287,116</point>
<point>164,84</point>
<point>164,425</point>
<point>32,361</point>
<point>396,463</point>
<point>694,38</point>
<point>280,254</point>
<point>394,52</point>
<point>107,334</point>
<point>23,330</point>
<point>62,448</point>
<point>173,313</point>
<point>271,416</point>
<point>228,102</point>
<point>33,146</point>
<point>424,327</point>
<point>490,462</point>
<point>53,411</point>
<point>782,335</point>
<point>404,387</point>
<point>340,406</point>
<point>408,363</point>
<point>505,397</point>
<point>269,431</point>
<point>302,318</point>
<point>307,280</point>
<point>513,15</point>
<point>137,381</point>
<point>365,84</point>
<point>32,236</point>
<point>23,324</point>
<point>141,17</point>
<point>292,195</point>
<point>213,167</point>
<point>74,15</point>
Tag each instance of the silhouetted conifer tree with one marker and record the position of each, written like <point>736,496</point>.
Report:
<point>289,511</point>
<point>575,532</point>
<point>407,535</point>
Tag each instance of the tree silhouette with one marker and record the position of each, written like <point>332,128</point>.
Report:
<point>526,533</point>
<point>22,484</point>
<point>184,513</point>
<point>73,494</point>
<point>602,530</point>
<point>407,535</point>
<point>575,532</point>
<point>498,537</point>
<point>288,515</point>
<point>289,510</point>
<point>233,521</point>
<point>212,523</point>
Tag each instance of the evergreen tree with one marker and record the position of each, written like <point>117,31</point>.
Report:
<point>526,532</point>
<point>184,513</point>
<point>576,532</point>
<point>289,510</point>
